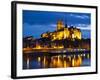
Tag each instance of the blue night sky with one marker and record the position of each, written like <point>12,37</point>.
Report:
<point>37,22</point>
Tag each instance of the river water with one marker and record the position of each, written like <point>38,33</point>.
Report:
<point>47,60</point>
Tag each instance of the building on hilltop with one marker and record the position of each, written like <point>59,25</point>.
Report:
<point>63,32</point>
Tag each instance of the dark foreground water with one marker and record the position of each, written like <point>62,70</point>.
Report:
<point>47,60</point>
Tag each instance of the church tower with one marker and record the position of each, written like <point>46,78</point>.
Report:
<point>60,25</point>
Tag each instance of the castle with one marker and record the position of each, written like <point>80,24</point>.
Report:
<point>63,32</point>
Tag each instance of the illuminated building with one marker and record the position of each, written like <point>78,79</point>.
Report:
<point>63,32</point>
<point>60,25</point>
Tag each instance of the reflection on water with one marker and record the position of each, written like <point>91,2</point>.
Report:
<point>31,61</point>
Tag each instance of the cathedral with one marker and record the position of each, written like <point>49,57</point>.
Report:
<point>63,32</point>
